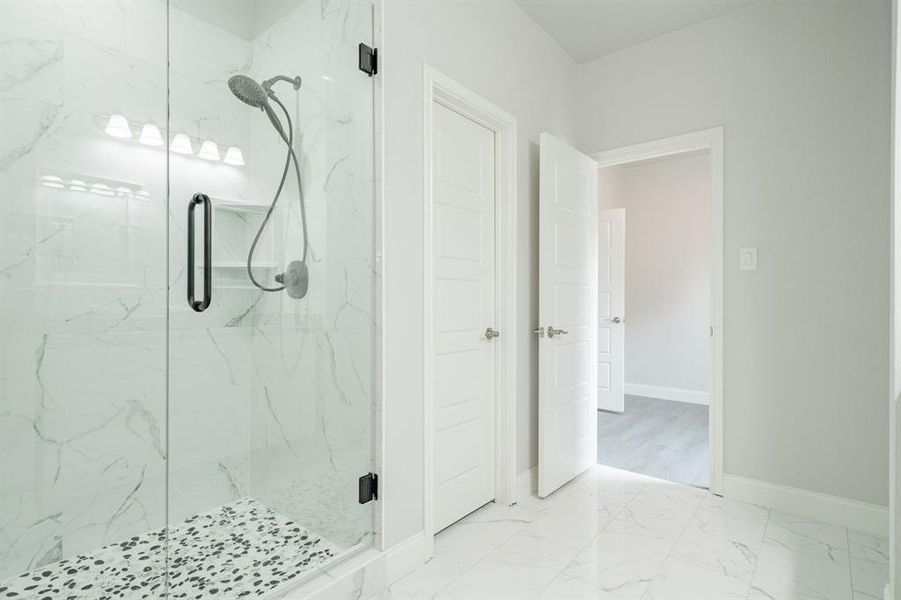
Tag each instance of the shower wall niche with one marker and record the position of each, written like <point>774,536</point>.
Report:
<point>122,411</point>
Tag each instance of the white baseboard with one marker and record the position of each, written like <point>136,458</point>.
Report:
<point>860,516</point>
<point>667,393</point>
<point>404,557</point>
<point>527,484</point>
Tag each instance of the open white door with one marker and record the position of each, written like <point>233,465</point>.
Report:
<point>611,314</point>
<point>567,313</point>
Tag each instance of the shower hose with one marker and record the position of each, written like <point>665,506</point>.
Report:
<point>289,159</point>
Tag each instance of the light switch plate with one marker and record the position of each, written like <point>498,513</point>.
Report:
<point>747,259</point>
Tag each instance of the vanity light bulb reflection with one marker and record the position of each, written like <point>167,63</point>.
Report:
<point>117,126</point>
<point>234,156</point>
<point>181,144</point>
<point>150,135</point>
<point>209,150</point>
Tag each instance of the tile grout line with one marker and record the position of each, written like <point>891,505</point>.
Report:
<point>676,542</point>
<point>596,535</point>
<point>769,516</point>
<point>850,570</point>
<point>489,553</point>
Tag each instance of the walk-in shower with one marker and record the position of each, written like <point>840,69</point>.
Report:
<point>153,443</point>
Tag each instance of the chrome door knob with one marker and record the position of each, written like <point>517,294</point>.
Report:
<point>490,334</point>
<point>615,320</point>
<point>551,332</point>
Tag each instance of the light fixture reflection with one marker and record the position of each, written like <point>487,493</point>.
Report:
<point>181,144</point>
<point>102,189</point>
<point>209,150</point>
<point>150,135</point>
<point>117,126</point>
<point>234,156</point>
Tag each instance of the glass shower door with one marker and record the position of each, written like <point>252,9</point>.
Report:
<point>271,368</point>
<point>82,298</point>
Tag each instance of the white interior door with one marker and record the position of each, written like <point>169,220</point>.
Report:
<point>464,307</point>
<point>611,309</point>
<point>567,311</point>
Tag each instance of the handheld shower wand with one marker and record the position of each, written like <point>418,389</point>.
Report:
<point>295,279</point>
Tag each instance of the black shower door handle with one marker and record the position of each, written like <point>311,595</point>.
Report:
<point>200,306</point>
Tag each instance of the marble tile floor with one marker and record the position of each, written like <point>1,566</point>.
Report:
<point>613,534</point>
<point>239,550</point>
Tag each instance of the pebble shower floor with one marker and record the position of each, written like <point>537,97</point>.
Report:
<point>240,550</point>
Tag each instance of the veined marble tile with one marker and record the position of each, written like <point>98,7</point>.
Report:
<point>509,575</point>
<point>717,568</point>
<point>205,52</point>
<point>715,555</point>
<point>868,547</point>
<point>805,535</point>
<point>869,563</point>
<point>569,522</point>
<point>460,547</point>
<point>614,565</point>
<point>659,509</point>
<point>784,573</point>
<point>725,520</point>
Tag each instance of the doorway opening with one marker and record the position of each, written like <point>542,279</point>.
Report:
<point>659,295</point>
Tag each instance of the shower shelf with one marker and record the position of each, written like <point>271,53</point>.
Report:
<point>238,206</point>
<point>240,264</point>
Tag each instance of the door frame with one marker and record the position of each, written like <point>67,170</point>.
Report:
<point>440,88</point>
<point>712,140</point>
<point>893,587</point>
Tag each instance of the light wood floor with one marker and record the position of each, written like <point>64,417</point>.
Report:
<point>660,438</point>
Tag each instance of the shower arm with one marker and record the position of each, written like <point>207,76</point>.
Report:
<point>267,85</point>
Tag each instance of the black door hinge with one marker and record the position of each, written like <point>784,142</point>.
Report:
<point>369,488</point>
<point>369,59</point>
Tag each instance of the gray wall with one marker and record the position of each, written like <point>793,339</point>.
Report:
<point>803,91</point>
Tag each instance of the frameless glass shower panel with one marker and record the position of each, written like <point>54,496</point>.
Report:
<point>270,385</point>
<point>82,296</point>
<point>314,358</point>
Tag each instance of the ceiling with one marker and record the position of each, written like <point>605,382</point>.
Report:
<point>589,29</point>
<point>246,19</point>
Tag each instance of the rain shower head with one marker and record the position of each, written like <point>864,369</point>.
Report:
<point>248,91</point>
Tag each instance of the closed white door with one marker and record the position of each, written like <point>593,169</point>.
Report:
<point>611,313</point>
<point>567,312</point>
<point>464,307</point>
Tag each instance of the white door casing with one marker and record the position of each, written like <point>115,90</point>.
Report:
<point>464,360</point>
<point>567,300</point>
<point>611,309</point>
